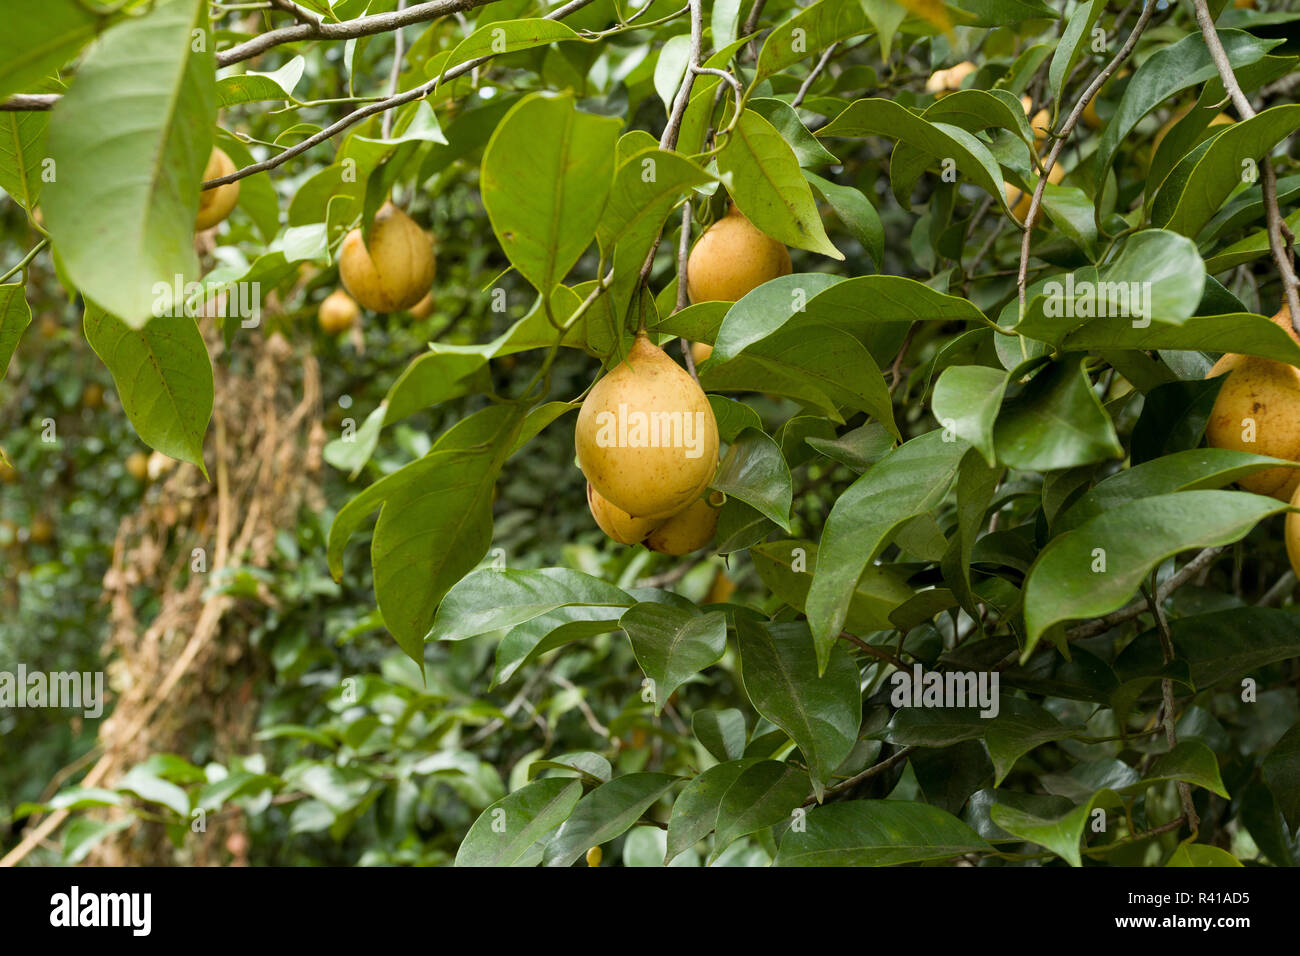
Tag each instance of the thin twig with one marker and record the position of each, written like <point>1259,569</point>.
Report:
<point>395,75</point>
<point>1278,243</point>
<point>812,76</point>
<point>379,106</point>
<point>1060,137</point>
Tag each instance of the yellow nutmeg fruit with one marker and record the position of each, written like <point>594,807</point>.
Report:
<point>688,530</point>
<point>646,437</point>
<point>1258,410</point>
<point>733,258</point>
<point>616,522</point>
<point>137,465</point>
<point>423,308</point>
<point>395,270</point>
<point>215,204</point>
<point>337,313</point>
<point>593,856</point>
<point>700,351</point>
<point>943,82</point>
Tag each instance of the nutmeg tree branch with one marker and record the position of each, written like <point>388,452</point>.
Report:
<point>1058,144</point>
<point>371,109</point>
<point>1279,239</point>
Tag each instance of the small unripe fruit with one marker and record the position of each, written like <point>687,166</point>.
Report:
<point>593,856</point>
<point>337,313</point>
<point>733,258</point>
<point>92,396</point>
<point>1258,411</point>
<point>216,204</point>
<point>395,270</point>
<point>687,531</point>
<point>41,531</point>
<point>616,522</point>
<point>646,437</point>
<point>137,465</point>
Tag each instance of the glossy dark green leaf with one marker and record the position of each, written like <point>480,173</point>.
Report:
<point>877,833</point>
<point>605,813</point>
<point>855,211</point>
<point>509,833</point>
<point>1060,834</point>
<point>695,811</point>
<point>1068,582</point>
<point>721,732</point>
<point>966,402</point>
<point>672,645</point>
<point>911,480</point>
<point>821,713</point>
<point>491,599</point>
<point>1057,421</point>
<point>754,470</point>
<point>1281,770</point>
<point>762,796</point>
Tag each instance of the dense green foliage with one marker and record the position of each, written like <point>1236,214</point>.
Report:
<point>924,474</point>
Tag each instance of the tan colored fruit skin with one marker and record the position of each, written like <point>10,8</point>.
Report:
<point>396,270</point>
<point>137,464</point>
<point>1268,392</point>
<point>732,259</point>
<point>1020,202</point>
<point>700,351</point>
<point>422,308</point>
<point>646,482</point>
<point>337,313</point>
<point>617,523</point>
<point>216,204</point>
<point>687,531</point>
<point>943,82</point>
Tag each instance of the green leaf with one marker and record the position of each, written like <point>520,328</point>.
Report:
<point>912,479</point>
<point>527,641</point>
<point>39,38</point>
<point>435,522</point>
<point>763,177</point>
<point>765,310</point>
<point>881,117</point>
<point>1060,834</point>
<point>1019,727</point>
<point>1197,469</point>
<point>822,367</point>
<point>509,833</point>
<point>809,31</point>
<point>754,470</point>
<point>695,811</point>
<point>1067,582</point>
<point>672,644</point>
<point>1173,418</point>
<point>22,156</point>
<point>252,87</point>
<point>859,448</point>
<point>136,195</point>
<point>605,813</point>
<point>783,117</point>
<point>877,833</point>
<point>508,36</point>
<point>1075,39</point>
<point>492,599</point>
<point>1190,761</point>
<point>1165,73</point>
<point>764,795</point>
<point>966,402</point>
<point>721,732</point>
<point>1198,186</point>
<point>879,590</point>
<point>779,668</point>
<point>855,212</point>
<point>1057,421</point>
<point>1199,854</point>
<point>544,212</point>
<point>15,316</point>
<point>976,486</point>
<point>1240,332</point>
<point>163,377</point>
<point>1281,771</point>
